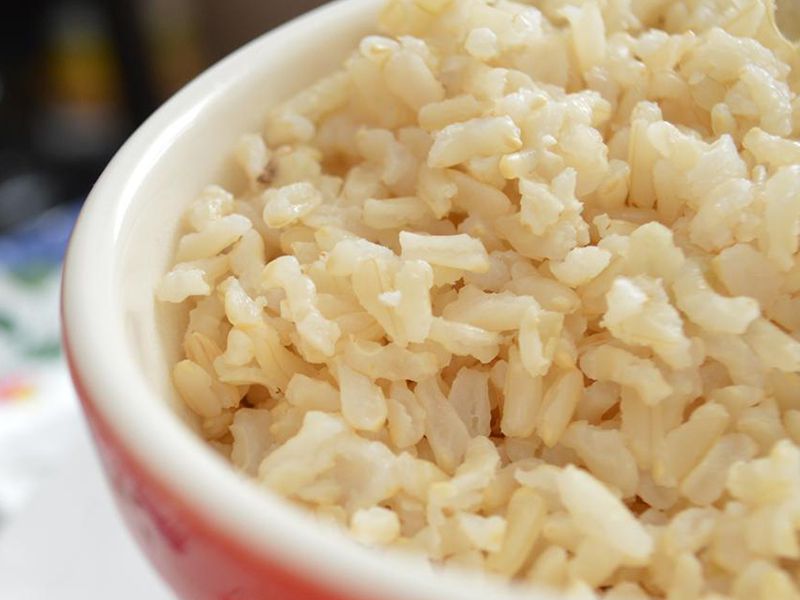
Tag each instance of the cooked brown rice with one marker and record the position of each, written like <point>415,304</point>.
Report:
<point>519,289</point>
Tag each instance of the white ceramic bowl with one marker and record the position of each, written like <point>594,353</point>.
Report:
<point>209,532</point>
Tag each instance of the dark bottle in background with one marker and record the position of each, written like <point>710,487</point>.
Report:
<point>61,111</point>
<point>78,76</point>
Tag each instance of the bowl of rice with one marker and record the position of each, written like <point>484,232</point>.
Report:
<point>415,299</point>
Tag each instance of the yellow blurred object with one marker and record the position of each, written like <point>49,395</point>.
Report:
<point>82,116</point>
<point>80,62</point>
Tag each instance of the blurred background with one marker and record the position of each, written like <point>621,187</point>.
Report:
<point>78,76</point>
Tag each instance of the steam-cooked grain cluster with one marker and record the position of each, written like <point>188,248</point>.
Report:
<point>519,288</point>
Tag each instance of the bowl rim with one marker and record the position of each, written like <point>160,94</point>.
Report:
<point>146,428</point>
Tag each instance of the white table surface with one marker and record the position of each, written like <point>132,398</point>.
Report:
<point>69,543</point>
